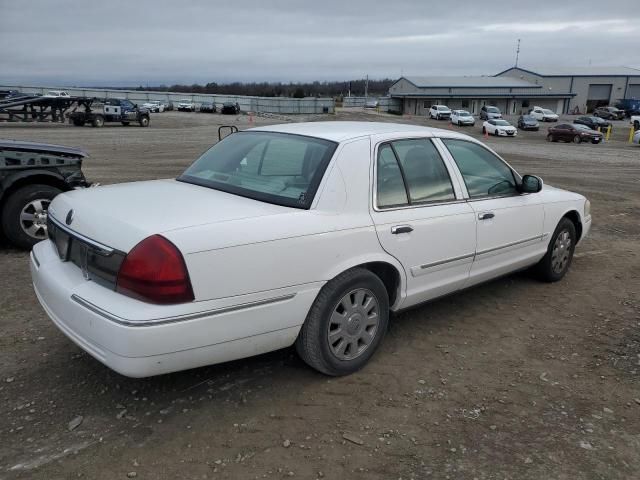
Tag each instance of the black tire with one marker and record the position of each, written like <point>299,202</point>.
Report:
<point>544,269</point>
<point>144,121</point>
<point>312,343</point>
<point>98,121</point>
<point>126,124</point>
<point>17,201</point>
<point>577,139</point>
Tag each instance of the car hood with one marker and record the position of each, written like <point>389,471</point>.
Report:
<point>122,215</point>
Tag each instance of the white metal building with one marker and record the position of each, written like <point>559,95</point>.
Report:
<point>590,87</point>
<point>511,95</point>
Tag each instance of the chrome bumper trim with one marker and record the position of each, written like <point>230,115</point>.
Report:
<point>182,318</point>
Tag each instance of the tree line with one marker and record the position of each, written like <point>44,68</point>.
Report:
<point>295,90</point>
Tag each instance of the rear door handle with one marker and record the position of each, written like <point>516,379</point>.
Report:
<point>485,215</point>
<point>401,229</point>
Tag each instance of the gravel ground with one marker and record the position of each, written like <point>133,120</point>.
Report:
<point>514,379</point>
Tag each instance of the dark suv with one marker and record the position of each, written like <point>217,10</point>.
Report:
<point>610,113</point>
<point>31,175</point>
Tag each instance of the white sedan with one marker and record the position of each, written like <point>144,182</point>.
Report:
<point>499,128</point>
<point>307,234</point>
<point>462,117</point>
<point>154,106</point>
<point>543,114</point>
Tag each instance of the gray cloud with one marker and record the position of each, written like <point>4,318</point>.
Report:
<point>126,43</point>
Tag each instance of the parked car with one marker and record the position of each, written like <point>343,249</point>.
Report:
<point>31,175</point>
<point>237,256</point>
<point>636,137</point>
<point>186,105</point>
<point>230,108</point>
<point>208,107</point>
<point>56,94</point>
<point>154,106</point>
<point>543,114</point>
<point>499,128</point>
<point>528,122</point>
<point>575,133</point>
<point>610,113</point>
<point>371,104</point>
<point>462,117</point>
<point>489,111</point>
<point>592,122</point>
<point>439,112</point>
<point>635,121</point>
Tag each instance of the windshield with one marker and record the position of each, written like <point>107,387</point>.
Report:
<point>502,123</point>
<point>442,107</point>
<point>528,118</point>
<point>463,113</point>
<point>493,110</point>
<point>272,167</point>
<point>185,100</point>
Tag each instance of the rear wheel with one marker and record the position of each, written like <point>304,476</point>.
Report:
<point>555,264</point>
<point>24,218</point>
<point>346,323</point>
<point>577,139</point>
<point>98,121</point>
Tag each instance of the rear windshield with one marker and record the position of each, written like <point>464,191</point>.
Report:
<point>493,110</point>
<point>278,168</point>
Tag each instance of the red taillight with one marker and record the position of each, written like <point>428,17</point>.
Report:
<point>154,271</point>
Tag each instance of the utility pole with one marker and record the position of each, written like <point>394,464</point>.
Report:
<point>366,88</point>
<point>517,53</point>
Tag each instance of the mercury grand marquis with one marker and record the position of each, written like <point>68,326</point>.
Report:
<point>307,234</point>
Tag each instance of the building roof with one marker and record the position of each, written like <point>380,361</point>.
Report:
<point>469,82</point>
<point>567,71</point>
<point>342,131</point>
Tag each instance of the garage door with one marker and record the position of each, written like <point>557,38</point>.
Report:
<point>599,92</point>
<point>633,90</point>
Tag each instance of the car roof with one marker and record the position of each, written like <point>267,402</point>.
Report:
<point>342,131</point>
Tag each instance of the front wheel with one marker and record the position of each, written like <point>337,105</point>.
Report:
<point>346,323</point>
<point>144,121</point>
<point>24,218</point>
<point>577,139</point>
<point>556,262</point>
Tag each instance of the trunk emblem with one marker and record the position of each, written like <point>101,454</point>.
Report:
<point>69,218</point>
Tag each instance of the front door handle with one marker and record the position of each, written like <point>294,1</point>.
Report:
<point>485,215</point>
<point>401,229</point>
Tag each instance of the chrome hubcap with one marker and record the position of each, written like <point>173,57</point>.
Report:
<point>33,218</point>
<point>561,251</point>
<point>353,324</point>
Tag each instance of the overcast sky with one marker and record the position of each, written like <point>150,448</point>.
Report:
<point>120,43</point>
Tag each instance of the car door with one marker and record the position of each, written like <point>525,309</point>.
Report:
<point>509,228</point>
<point>421,218</point>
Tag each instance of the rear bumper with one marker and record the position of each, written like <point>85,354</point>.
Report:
<point>149,339</point>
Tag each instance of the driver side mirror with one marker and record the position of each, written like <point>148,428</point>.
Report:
<point>531,184</point>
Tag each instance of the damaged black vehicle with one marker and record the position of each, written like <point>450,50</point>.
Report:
<point>31,175</point>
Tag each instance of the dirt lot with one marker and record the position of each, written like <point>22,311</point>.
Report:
<point>511,380</point>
